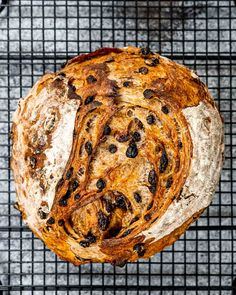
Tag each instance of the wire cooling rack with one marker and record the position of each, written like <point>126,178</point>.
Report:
<point>36,37</point>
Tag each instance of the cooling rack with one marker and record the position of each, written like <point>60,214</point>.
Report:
<point>38,36</point>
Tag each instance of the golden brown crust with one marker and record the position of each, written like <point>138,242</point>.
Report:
<point>102,151</point>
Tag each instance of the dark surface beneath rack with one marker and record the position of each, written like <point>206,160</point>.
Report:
<point>37,37</point>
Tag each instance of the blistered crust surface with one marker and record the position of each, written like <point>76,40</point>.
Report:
<point>115,155</point>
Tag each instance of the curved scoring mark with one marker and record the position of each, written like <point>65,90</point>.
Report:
<point>3,5</point>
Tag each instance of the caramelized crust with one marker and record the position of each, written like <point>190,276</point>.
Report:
<point>115,155</point>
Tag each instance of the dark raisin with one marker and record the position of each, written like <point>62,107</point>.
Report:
<point>165,110</point>
<point>74,184</point>
<point>180,145</point>
<point>152,189</point>
<point>147,217</point>
<point>126,84</point>
<point>151,119</point>
<point>42,214</point>
<point>107,130</point>
<point>123,138</point>
<point>76,197</point>
<point>150,206</point>
<point>148,93</point>
<point>136,218</point>
<point>151,62</point>
<point>88,147</point>
<point>61,222</point>
<point>101,184</point>
<point>62,74</point>
<point>51,220</point>
<point>89,99</point>
<point>90,237</point>
<point>137,197</point>
<point>112,148</point>
<point>141,253</point>
<point>152,177</point>
<point>84,243</point>
<point>60,183</point>
<point>169,182</point>
<point>136,136</point>
<point>63,202</point>
<point>145,50</point>
<point>138,247</point>
<point>163,162</point>
<point>108,205</point>
<point>143,70</point>
<point>69,173</point>
<point>33,162</point>
<point>139,123</point>
<point>103,221</point>
<point>127,232</point>
<point>91,79</point>
<point>120,202</point>
<point>132,151</point>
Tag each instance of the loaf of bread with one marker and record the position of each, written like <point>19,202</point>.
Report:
<point>115,155</point>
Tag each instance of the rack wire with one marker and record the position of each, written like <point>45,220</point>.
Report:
<point>37,37</point>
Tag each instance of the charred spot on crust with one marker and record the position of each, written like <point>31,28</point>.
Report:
<point>89,99</point>
<point>61,222</point>
<point>51,220</point>
<point>123,138</point>
<point>169,182</point>
<point>63,202</point>
<point>151,62</point>
<point>163,162</point>
<point>112,148</point>
<point>91,79</point>
<point>107,130</point>
<point>148,93</point>
<point>110,59</point>
<point>143,70</point>
<point>165,110</point>
<point>103,221</point>
<point>63,64</point>
<point>69,173</point>
<point>145,50</point>
<point>132,151</point>
<point>137,197</point>
<point>120,263</point>
<point>71,92</point>
<point>101,184</point>
<point>88,147</point>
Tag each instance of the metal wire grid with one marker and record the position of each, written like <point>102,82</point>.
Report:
<point>36,37</point>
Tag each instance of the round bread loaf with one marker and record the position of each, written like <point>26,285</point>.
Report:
<point>115,155</point>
